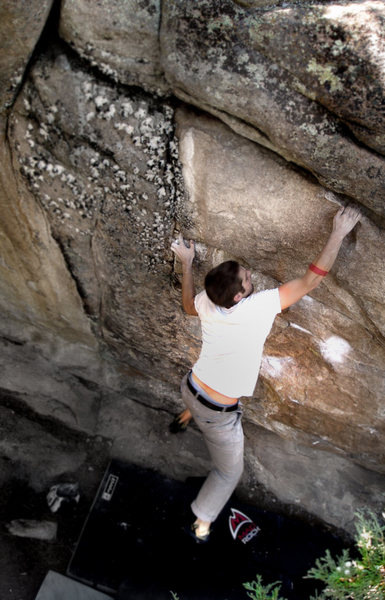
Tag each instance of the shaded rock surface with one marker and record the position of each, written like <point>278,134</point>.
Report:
<point>273,465</point>
<point>121,39</point>
<point>21,24</point>
<point>111,203</point>
<point>35,454</point>
<point>105,160</point>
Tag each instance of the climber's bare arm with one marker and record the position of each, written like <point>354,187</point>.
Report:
<point>343,223</point>
<point>186,256</point>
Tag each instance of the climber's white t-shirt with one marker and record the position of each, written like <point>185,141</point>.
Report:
<point>232,341</point>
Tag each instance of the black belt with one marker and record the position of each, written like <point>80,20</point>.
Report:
<point>206,402</point>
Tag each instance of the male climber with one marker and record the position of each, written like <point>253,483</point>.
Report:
<point>235,322</point>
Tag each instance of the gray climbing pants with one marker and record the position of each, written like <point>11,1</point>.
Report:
<point>223,435</point>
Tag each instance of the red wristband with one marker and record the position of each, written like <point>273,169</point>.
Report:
<point>317,270</point>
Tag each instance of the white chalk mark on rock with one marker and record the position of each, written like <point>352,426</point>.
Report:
<point>274,366</point>
<point>335,349</point>
<point>300,328</point>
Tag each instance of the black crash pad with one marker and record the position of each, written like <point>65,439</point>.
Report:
<point>133,544</point>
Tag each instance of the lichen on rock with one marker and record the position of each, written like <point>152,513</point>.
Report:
<point>124,155</point>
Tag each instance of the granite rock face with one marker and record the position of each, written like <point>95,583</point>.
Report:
<point>316,358</point>
<point>335,54</point>
<point>120,38</point>
<point>150,128</point>
<point>216,58</point>
<point>21,24</point>
<point>311,74</point>
<point>111,201</point>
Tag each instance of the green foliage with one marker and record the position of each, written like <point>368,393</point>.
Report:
<point>362,578</point>
<point>345,578</point>
<point>257,591</point>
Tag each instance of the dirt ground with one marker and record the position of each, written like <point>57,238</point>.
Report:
<point>24,562</point>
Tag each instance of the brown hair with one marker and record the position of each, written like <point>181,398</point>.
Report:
<point>223,282</point>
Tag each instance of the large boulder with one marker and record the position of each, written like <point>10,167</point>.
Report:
<point>214,56</point>
<point>247,205</point>
<point>335,56</point>
<point>98,176</point>
<point>103,167</point>
<point>310,74</point>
